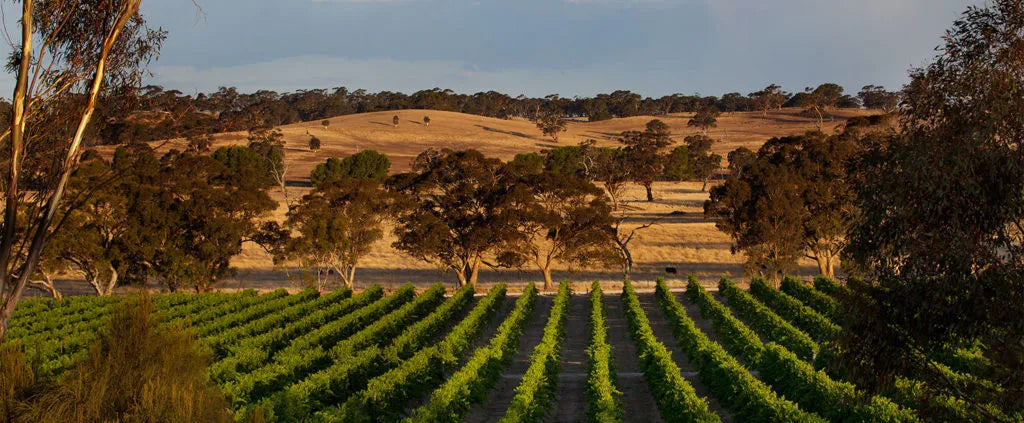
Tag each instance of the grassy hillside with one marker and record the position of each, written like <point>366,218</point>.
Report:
<point>502,138</point>
<point>682,239</point>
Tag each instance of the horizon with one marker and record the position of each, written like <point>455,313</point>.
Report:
<point>570,48</point>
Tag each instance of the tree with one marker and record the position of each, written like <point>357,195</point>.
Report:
<point>704,119</point>
<point>610,168</point>
<point>941,218</point>
<point>679,164</point>
<point>459,207</point>
<point>94,230</point>
<point>569,160</point>
<point>793,198</point>
<point>199,143</point>
<point>705,163</point>
<point>187,217</point>
<point>821,100</point>
<point>268,143</point>
<point>337,224</point>
<point>426,120</point>
<point>770,98</point>
<point>876,97</point>
<point>243,166</point>
<point>366,164</point>
<point>314,143</point>
<point>761,213</point>
<point>567,221</point>
<point>551,125</point>
<point>622,238</point>
<point>524,164</point>
<point>739,159</point>
<point>394,120</point>
<point>108,51</point>
<point>643,153</point>
<point>325,123</point>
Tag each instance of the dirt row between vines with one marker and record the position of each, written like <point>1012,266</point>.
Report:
<point>570,396</point>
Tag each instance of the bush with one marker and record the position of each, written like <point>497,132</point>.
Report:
<point>536,391</point>
<point>134,372</point>
<point>603,404</point>
<point>792,309</point>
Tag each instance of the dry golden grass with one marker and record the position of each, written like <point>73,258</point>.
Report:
<point>682,239</point>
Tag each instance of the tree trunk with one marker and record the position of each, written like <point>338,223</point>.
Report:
<point>650,195</point>
<point>47,284</point>
<point>19,106</point>
<point>704,188</point>
<point>69,164</point>
<point>627,261</point>
<point>549,284</point>
<point>112,281</point>
<point>474,273</point>
<point>348,274</point>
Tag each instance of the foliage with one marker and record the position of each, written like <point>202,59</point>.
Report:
<point>766,322</point>
<point>536,391</point>
<point>337,224</point>
<point>350,374</point>
<point>677,401</point>
<point>306,352</point>
<point>705,162</point>
<point>790,376</point>
<point>795,198</point>
<point>803,317</point>
<point>550,125</point>
<point>603,396</point>
<point>72,56</point>
<point>704,119</point>
<point>458,207</point>
<point>876,97</point>
<point>148,374</point>
<point>749,398</point>
<point>813,297</point>
<point>385,396</point>
<point>243,166</point>
<point>643,153</point>
<point>526,164</point>
<point>679,164</point>
<point>366,164</point>
<point>314,144</point>
<point>246,355</point>
<point>770,98</point>
<point>565,220</point>
<point>942,211</point>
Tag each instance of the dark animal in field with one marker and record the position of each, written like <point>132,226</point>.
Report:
<point>670,270</point>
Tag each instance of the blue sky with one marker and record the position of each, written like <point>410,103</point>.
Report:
<point>539,47</point>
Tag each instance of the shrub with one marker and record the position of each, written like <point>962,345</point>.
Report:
<point>134,372</point>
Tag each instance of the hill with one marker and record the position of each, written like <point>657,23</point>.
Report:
<point>682,239</point>
<point>502,138</point>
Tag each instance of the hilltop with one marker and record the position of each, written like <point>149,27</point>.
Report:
<point>503,138</point>
<point>682,239</point>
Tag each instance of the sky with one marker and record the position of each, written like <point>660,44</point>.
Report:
<point>541,47</point>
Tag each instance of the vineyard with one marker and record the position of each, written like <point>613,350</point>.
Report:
<point>673,356</point>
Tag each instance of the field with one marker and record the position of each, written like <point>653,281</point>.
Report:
<point>682,238</point>
<point>671,353</point>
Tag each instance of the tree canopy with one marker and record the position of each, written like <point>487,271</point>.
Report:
<point>794,198</point>
<point>366,164</point>
<point>941,218</point>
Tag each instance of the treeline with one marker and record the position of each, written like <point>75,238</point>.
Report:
<point>154,113</point>
<point>179,218</point>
